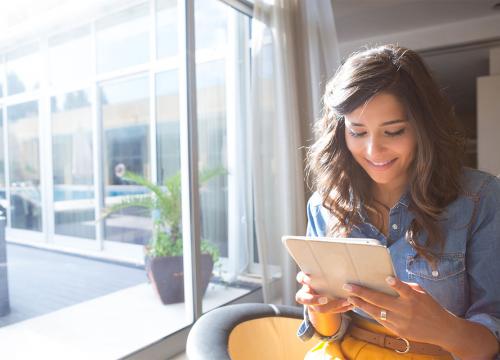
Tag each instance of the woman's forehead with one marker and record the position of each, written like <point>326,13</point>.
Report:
<point>381,109</point>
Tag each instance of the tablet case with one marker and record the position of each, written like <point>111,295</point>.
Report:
<point>333,262</point>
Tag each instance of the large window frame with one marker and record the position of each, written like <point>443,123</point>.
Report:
<point>47,237</point>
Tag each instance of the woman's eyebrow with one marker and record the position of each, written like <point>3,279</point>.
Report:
<point>390,122</point>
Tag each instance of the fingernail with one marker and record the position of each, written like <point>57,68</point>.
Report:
<point>347,287</point>
<point>350,300</point>
<point>323,300</point>
<point>390,280</point>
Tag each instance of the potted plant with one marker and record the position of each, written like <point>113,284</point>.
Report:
<point>163,254</point>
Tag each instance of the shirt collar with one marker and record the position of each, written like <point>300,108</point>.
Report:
<point>405,199</point>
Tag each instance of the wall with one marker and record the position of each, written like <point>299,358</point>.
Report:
<point>488,116</point>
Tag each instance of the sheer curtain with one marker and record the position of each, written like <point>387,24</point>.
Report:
<point>294,52</point>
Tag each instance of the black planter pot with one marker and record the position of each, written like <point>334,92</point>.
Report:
<point>167,276</point>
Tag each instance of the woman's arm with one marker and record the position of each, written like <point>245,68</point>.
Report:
<point>468,340</point>
<point>417,316</point>
<point>325,323</point>
<point>323,313</point>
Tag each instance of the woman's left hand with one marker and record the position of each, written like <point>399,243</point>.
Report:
<point>414,315</point>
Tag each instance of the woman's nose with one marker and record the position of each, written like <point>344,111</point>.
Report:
<point>374,146</point>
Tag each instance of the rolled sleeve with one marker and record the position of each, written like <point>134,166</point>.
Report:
<point>307,331</point>
<point>488,321</point>
<point>483,265</point>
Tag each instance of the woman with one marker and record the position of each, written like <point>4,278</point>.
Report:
<point>387,165</point>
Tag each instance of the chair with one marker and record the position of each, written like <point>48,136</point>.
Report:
<point>247,331</point>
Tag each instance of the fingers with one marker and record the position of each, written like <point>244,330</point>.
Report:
<point>303,278</point>
<point>329,308</point>
<point>416,287</point>
<point>403,289</point>
<point>306,296</point>
<point>321,303</point>
<point>371,296</point>
<point>372,310</point>
<point>333,306</point>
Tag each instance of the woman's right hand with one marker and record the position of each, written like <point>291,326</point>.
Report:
<point>318,303</point>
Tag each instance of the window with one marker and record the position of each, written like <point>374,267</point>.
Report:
<point>2,162</point>
<point>167,124</point>
<point>72,155</point>
<point>23,70</point>
<point>125,123</point>
<point>166,28</point>
<point>83,108</point>
<point>123,39</point>
<point>68,52</point>
<point>222,55</point>
<point>25,199</point>
<point>2,71</point>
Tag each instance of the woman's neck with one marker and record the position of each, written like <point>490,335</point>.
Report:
<point>388,194</point>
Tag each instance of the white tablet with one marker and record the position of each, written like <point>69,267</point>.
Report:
<point>333,262</point>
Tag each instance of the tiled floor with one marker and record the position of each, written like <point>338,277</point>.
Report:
<point>109,327</point>
<point>66,306</point>
<point>42,281</point>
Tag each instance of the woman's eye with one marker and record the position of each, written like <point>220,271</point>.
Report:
<point>356,134</point>
<point>395,133</point>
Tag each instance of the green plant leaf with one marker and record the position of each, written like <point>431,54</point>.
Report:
<point>166,199</point>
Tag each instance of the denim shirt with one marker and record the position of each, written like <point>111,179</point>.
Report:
<point>466,279</point>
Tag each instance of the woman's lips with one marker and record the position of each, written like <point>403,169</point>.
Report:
<point>381,165</point>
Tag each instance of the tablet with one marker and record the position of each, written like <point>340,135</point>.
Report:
<point>333,262</point>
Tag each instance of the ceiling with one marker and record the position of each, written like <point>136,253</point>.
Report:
<point>358,19</point>
<point>456,69</point>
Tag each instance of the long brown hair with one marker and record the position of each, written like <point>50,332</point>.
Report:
<point>435,171</point>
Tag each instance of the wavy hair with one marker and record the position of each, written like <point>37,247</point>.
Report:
<point>436,168</point>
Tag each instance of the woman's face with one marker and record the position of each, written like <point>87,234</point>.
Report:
<point>381,139</point>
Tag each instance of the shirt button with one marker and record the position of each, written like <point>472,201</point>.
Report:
<point>435,273</point>
<point>395,226</point>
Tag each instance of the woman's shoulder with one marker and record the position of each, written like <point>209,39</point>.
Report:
<point>315,200</point>
<point>316,209</point>
<point>477,183</point>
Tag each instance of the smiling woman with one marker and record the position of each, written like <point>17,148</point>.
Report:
<point>384,148</point>
<point>387,165</point>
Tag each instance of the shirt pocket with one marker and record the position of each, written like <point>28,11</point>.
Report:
<point>445,282</point>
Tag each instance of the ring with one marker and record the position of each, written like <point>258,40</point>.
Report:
<point>383,315</point>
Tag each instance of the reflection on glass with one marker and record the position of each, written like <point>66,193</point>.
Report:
<point>167,128</point>
<point>125,121</point>
<point>23,70</point>
<point>211,33</point>
<point>166,28</point>
<point>123,39</point>
<point>211,25</point>
<point>211,20</point>
<point>1,78</point>
<point>69,58</point>
<point>2,162</point>
<point>72,164</point>
<point>220,41</point>
<point>212,128</point>
<point>25,209</point>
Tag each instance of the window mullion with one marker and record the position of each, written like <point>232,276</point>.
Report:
<point>97,144</point>
<point>189,160</point>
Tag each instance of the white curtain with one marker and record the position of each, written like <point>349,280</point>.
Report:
<point>294,52</point>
